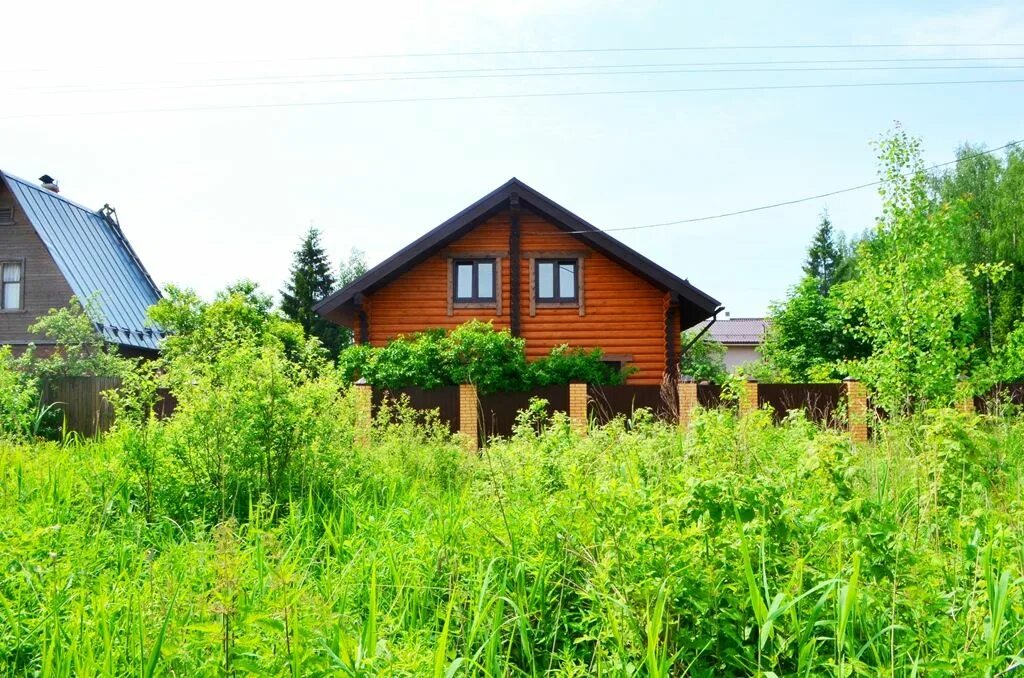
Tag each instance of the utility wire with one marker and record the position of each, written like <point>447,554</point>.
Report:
<point>481,97</point>
<point>761,208</point>
<point>595,50</point>
<point>822,69</point>
<point>285,78</point>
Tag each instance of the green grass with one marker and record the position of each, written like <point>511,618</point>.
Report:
<point>739,549</point>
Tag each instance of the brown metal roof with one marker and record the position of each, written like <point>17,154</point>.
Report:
<point>738,331</point>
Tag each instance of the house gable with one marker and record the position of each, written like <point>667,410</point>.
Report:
<point>622,303</point>
<point>93,259</point>
<point>43,286</point>
<point>342,306</point>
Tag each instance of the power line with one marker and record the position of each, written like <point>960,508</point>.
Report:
<point>481,97</point>
<point>500,69</point>
<point>600,73</point>
<point>785,203</point>
<point>593,50</point>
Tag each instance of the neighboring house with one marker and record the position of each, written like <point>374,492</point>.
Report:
<point>51,249</point>
<point>741,338</point>
<point>518,259</point>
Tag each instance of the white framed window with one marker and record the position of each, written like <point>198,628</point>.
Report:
<point>12,285</point>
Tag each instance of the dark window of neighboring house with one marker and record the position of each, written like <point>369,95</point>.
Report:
<point>557,280</point>
<point>6,216</point>
<point>10,285</point>
<point>474,280</point>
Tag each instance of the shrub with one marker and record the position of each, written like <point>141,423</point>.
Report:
<point>19,397</point>
<point>472,353</point>
<point>79,350</point>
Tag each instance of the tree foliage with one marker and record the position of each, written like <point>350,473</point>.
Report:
<point>78,349</point>
<point>312,279</point>
<point>915,297</point>
<point>472,353</point>
<point>704,360</point>
<point>828,259</point>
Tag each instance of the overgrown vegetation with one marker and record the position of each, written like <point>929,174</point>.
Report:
<point>931,293</point>
<point>473,353</point>
<point>739,549</point>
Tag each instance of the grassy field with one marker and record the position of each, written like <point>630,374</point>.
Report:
<point>738,549</point>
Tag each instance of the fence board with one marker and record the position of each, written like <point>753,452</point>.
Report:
<point>498,411</point>
<point>607,402</point>
<point>445,400</point>
<point>80,402</point>
<point>709,396</point>
<point>821,402</point>
<point>998,397</point>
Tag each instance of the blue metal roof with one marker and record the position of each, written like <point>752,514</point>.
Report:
<point>97,261</point>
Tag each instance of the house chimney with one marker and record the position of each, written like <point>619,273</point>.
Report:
<point>728,315</point>
<point>49,183</point>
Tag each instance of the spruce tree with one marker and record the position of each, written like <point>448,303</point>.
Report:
<point>311,280</point>
<point>825,257</point>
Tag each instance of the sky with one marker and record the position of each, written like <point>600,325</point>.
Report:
<point>222,131</point>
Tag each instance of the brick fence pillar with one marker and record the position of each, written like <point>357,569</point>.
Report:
<point>857,409</point>
<point>748,397</point>
<point>469,428</point>
<point>578,407</point>
<point>687,392</point>
<point>364,411</point>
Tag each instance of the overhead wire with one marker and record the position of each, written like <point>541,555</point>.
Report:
<point>481,97</point>
<point>600,73</point>
<point>795,201</point>
<point>568,68</point>
<point>584,50</point>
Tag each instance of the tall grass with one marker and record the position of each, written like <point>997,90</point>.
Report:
<point>741,548</point>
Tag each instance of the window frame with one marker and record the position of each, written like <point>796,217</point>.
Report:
<point>556,282</point>
<point>20,263</point>
<point>474,298</point>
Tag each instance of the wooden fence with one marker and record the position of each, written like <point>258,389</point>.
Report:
<point>79,405</point>
<point>444,401</point>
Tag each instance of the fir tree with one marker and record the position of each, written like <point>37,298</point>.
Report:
<point>826,257</point>
<point>311,280</point>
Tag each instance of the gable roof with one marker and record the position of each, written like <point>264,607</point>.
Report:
<point>695,304</point>
<point>95,258</point>
<point>738,331</point>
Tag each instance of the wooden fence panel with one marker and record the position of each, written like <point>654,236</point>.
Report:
<point>709,396</point>
<point>608,402</point>
<point>999,397</point>
<point>80,402</point>
<point>445,400</point>
<point>821,402</point>
<point>499,410</point>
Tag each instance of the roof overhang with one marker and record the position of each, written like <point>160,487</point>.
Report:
<point>341,306</point>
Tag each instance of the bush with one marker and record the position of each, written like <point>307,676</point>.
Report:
<point>261,416</point>
<point>472,353</point>
<point>19,397</point>
<point>79,350</point>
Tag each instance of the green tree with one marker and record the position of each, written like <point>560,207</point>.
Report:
<point>311,280</point>
<point>78,348</point>
<point>704,360</point>
<point>991,234</point>
<point>348,271</point>
<point>808,337</point>
<point>915,296</point>
<point>351,268</point>
<point>827,256</point>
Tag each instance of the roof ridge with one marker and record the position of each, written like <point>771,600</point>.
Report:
<point>36,187</point>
